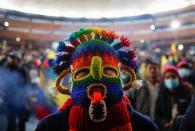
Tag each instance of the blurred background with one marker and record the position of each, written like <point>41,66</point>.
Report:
<point>162,30</point>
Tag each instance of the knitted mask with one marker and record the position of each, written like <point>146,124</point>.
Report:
<point>95,75</point>
<point>95,57</point>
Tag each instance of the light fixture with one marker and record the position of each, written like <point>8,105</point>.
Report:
<point>175,24</point>
<point>142,41</point>
<point>6,23</point>
<point>180,47</point>
<point>54,45</point>
<point>152,27</point>
<point>18,39</point>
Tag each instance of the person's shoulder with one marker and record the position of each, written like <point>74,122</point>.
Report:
<point>55,116</point>
<point>57,122</point>
<point>140,121</point>
<point>144,88</point>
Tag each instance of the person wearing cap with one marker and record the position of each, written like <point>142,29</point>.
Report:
<point>185,73</point>
<point>94,58</point>
<point>173,100</point>
<point>146,96</point>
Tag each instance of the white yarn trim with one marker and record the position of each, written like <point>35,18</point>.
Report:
<point>137,84</point>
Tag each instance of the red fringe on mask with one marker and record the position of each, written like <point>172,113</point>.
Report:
<point>119,117</point>
<point>77,118</point>
<point>126,99</point>
<point>65,105</point>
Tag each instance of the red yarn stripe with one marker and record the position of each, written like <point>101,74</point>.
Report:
<point>65,105</point>
<point>83,60</point>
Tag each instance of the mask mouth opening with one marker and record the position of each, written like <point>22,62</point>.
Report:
<point>98,111</point>
<point>96,92</point>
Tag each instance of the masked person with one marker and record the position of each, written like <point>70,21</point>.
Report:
<point>146,96</point>
<point>173,100</point>
<point>184,71</point>
<point>94,59</point>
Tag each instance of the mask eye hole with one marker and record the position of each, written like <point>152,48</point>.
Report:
<point>109,71</point>
<point>81,73</point>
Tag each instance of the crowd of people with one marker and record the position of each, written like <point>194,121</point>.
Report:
<point>166,93</point>
<point>22,92</point>
<point>165,96</point>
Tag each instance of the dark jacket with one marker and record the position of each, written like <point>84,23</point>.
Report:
<point>164,104</point>
<point>59,122</point>
<point>191,78</point>
<point>186,122</point>
<point>143,99</point>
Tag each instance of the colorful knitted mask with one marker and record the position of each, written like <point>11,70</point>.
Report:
<point>95,57</point>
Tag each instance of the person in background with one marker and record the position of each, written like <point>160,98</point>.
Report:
<point>145,97</point>
<point>17,111</point>
<point>3,116</point>
<point>186,74</point>
<point>173,100</point>
<point>3,113</point>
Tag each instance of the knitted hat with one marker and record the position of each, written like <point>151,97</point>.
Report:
<point>81,46</point>
<point>182,63</point>
<point>111,42</point>
<point>170,68</point>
